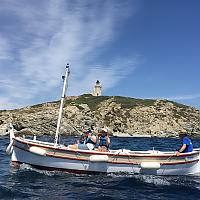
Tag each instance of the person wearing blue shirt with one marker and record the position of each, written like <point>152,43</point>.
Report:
<point>103,140</point>
<point>186,143</point>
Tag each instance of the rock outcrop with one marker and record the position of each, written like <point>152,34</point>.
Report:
<point>122,115</point>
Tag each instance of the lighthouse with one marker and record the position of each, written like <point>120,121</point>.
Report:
<point>97,89</point>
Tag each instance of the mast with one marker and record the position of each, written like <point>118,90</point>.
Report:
<point>62,102</point>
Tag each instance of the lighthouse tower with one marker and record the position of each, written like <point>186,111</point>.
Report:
<point>97,89</point>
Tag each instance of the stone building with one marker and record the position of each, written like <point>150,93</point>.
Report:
<point>97,89</point>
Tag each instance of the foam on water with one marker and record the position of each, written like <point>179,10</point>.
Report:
<point>27,167</point>
<point>156,180</point>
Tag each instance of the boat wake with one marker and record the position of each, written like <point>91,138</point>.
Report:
<point>192,182</point>
<point>27,167</point>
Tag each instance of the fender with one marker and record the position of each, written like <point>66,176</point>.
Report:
<point>9,148</point>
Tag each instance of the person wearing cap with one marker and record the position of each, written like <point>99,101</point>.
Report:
<point>186,143</point>
<point>87,142</point>
<point>103,140</point>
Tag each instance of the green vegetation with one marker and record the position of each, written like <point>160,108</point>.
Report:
<point>42,104</point>
<point>127,102</point>
<point>90,100</point>
<point>67,101</point>
<point>176,104</point>
<point>37,105</point>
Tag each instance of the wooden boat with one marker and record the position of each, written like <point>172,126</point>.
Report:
<point>55,156</point>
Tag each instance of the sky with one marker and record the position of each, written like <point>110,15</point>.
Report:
<point>135,48</point>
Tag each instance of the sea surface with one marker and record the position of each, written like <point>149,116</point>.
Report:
<point>30,183</point>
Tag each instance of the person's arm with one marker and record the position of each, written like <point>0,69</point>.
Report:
<point>107,140</point>
<point>82,139</point>
<point>98,138</point>
<point>93,138</point>
<point>181,149</point>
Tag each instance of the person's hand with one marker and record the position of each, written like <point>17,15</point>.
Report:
<point>178,153</point>
<point>77,141</point>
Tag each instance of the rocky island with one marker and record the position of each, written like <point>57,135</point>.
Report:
<point>122,115</point>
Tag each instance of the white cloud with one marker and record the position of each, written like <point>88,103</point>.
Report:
<point>54,33</point>
<point>109,76</point>
<point>184,97</point>
<point>177,98</point>
<point>4,49</point>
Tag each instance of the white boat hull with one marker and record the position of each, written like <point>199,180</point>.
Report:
<point>116,161</point>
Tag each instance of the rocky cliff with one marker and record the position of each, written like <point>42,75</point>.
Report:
<point>119,114</point>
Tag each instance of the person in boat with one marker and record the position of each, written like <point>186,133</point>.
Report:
<point>187,145</point>
<point>93,129</point>
<point>103,140</point>
<point>86,142</point>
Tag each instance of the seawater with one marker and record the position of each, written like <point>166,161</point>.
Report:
<point>29,183</point>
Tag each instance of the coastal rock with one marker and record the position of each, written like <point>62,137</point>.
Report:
<point>3,129</point>
<point>122,115</point>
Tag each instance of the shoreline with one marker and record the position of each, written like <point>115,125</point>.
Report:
<point>130,135</point>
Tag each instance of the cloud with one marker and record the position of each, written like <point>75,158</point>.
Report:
<point>5,53</point>
<point>53,33</point>
<point>109,75</point>
<point>184,97</point>
<point>178,98</point>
